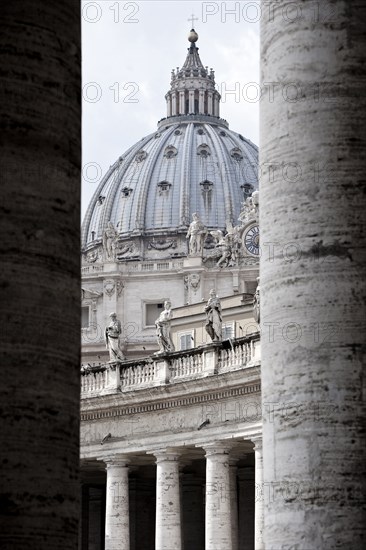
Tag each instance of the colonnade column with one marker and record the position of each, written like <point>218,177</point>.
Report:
<point>117,521</point>
<point>218,505</point>
<point>168,513</point>
<point>259,496</point>
<point>234,503</point>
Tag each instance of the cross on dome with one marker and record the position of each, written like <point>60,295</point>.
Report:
<point>192,19</point>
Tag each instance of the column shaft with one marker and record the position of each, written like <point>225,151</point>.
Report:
<point>117,521</point>
<point>234,506</point>
<point>218,505</point>
<point>168,513</point>
<point>259,498</point>
<point>313,298</point>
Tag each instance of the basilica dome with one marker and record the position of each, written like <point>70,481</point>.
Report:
<point>192,163</point>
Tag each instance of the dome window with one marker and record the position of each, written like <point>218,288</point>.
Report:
<point>140,155</point>
<point>157,135</point>
<point>247,189</point>
<point>177,132</point>
<point>223,134</point>
<point>126,191</point>
<point>101,199</point>
<point>203,150</point>
<point>170,152</point>
<point>163,187</point>
<point>200,131</point>
<point>236,154</point>
<point>206,186</point>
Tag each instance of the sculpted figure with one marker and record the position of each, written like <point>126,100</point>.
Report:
<point>249,209</point>
<point>229,246</point>
<point>112,334</point>
<point>256,303</point>
<point>110,236</point>
<point>196,234</point>
<point>162,324</point>
<point>213,324</point>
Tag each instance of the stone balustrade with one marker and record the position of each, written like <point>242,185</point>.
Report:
<point>160,369</point>
<point>135,267</point>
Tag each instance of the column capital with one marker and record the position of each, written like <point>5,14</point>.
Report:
<point>258,442</point>
<point>218,448</point>
<point>166,455</point>
<point>115,460</point>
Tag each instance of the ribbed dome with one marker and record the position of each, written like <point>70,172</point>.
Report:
<point>193,163</point>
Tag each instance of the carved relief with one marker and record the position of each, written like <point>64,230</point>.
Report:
<point>162,244</point>
<point>193,280</point>
<point>109,287</point>
<point>126,248</point>
<point>93,255</point>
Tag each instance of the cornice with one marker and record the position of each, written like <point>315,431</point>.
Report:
<point>170,403</point>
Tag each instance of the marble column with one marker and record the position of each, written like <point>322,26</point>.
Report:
<point>218,505</point>
<point>40,54</point>
<point>234,503</point>
<point>117,521</point>
<point>168,534</point>
<point>313,292</point>
<point>259,496</point>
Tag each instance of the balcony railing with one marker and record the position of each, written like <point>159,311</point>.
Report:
<point>170,368</point>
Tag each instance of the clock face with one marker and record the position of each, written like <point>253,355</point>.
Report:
<point>251,240</point>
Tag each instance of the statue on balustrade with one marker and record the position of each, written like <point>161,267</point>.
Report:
<point>213,324</point>
<point>112,335</point>
<point>162,324</point>
<point>110,238</point>
<point>196,234</point>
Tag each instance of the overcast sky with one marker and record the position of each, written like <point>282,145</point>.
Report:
<point>129,50</point>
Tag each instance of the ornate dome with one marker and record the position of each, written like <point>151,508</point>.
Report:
<point>192,163</point>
